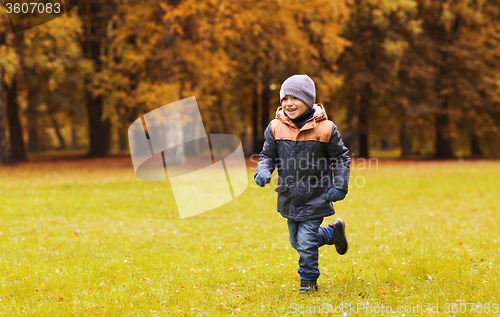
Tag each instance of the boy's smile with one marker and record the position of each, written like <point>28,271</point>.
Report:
<point>293,107</point>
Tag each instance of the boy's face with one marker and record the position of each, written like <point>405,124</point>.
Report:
<point>293,107</point>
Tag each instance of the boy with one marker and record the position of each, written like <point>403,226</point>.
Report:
<point>305,146</point>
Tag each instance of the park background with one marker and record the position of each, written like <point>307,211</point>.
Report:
<point>416,79</point>
<point>413,85</point>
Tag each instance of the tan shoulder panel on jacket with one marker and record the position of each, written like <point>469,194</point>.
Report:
<point>321,132</point>
<point>282,131</point>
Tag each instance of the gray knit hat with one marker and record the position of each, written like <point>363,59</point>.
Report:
<point>301,87</point>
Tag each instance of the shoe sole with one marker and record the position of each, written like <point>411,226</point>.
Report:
<point>343,233</point>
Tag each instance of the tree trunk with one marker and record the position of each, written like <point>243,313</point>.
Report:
<point>62,144</point>
<point>98,129</point>
<point>15,130</point>
<point>95,19</point>
<point>363,138</point>
<point>443,144</point>
<point>74,138</point>
<point>384,144</point>
<point>5,156</point>
<point>475,149</point>
<point>258,141</point>
<point>34,142</point>
<point>363,127</point>
<point>122,138</point>
<point>403,139</point>
<point>266,95</point>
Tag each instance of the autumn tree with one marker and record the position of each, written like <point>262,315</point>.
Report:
<point>10,45</point>
<point>8,60</point>
<point>452,62</point>
<point>5,156</point>
<point>52,77</point>
<point>378,32</point>
<point>12,104</point>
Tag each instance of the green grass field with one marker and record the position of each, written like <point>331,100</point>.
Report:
<point>87,238</point>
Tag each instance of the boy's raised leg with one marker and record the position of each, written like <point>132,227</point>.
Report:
<point>334,233</point>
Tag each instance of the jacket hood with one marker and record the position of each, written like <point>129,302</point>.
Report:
<point>319,114</point>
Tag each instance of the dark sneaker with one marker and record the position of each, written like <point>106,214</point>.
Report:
<point>339,238</point>
<point>307,287</point>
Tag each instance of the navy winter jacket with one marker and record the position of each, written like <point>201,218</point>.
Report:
<point>305,159</point>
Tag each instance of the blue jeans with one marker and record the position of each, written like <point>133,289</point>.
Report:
<point>306,237</point>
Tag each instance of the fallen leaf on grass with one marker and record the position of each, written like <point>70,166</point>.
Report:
<point>58,298</point>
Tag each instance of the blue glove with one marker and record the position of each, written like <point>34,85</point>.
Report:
<point>335,194</point>
<point>263,178</point>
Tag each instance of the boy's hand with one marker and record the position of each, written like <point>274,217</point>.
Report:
<point>335,194</point>
<point>263,178</point>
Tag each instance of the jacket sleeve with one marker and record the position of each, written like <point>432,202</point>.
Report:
<point>269,153</point>
<point>340,161</point>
